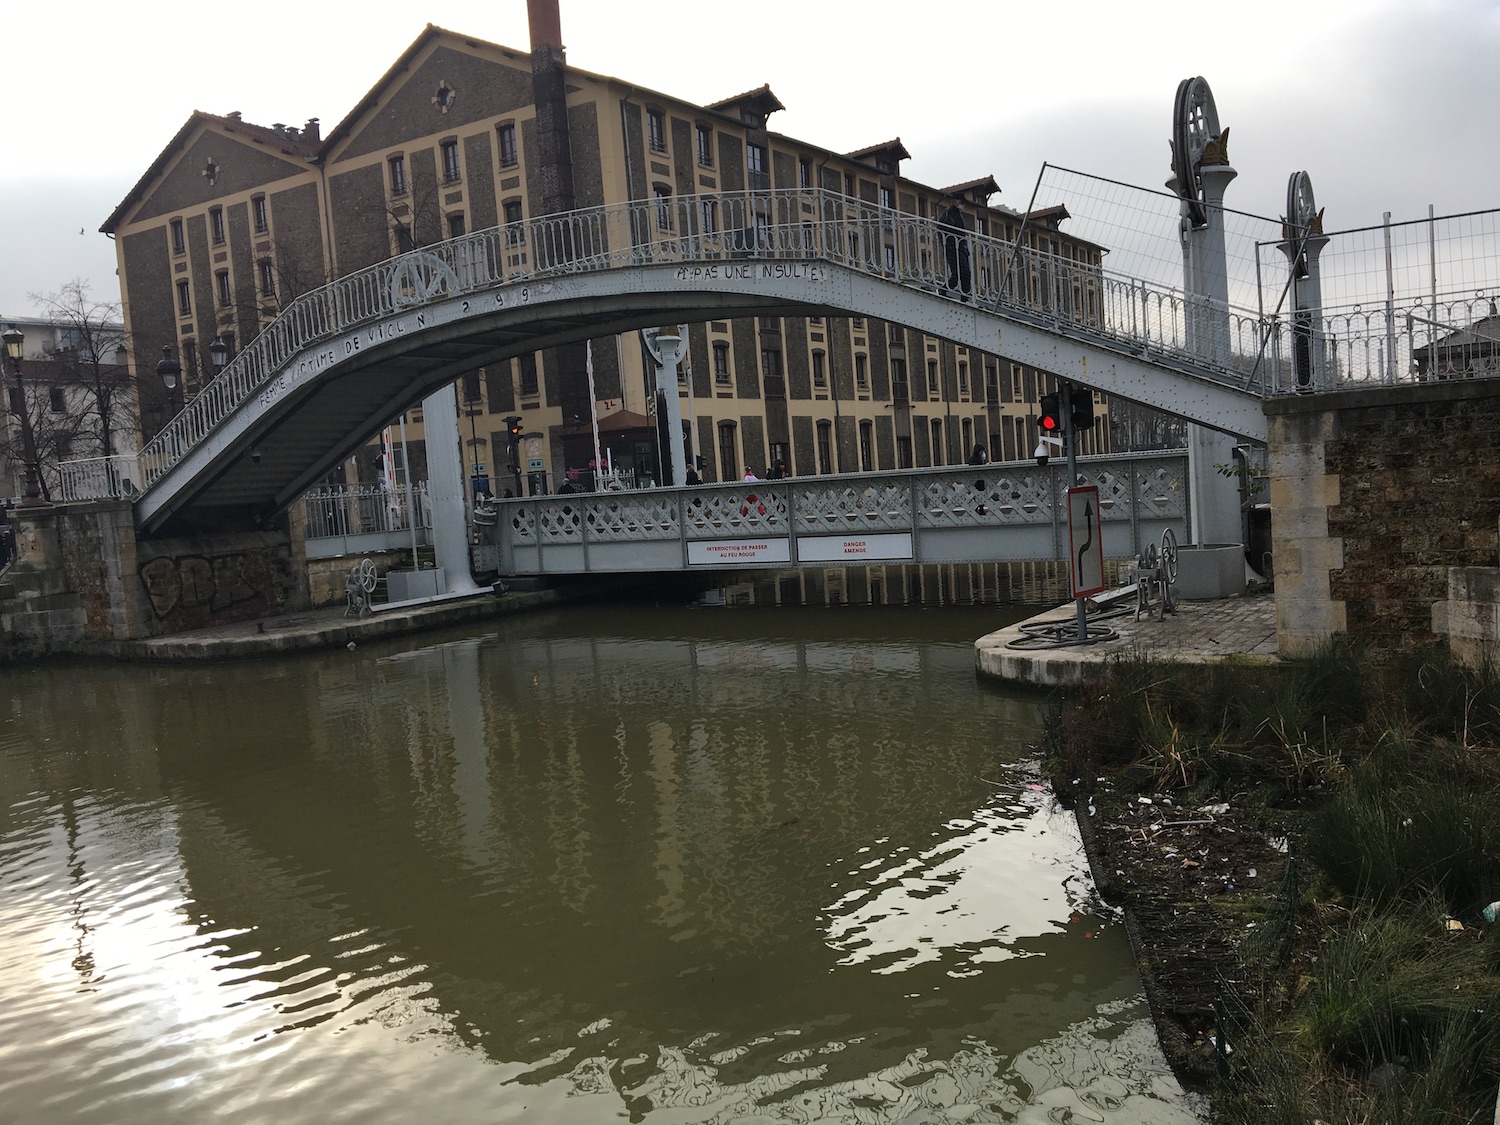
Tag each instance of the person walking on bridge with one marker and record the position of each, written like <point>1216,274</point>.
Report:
<point>956,248</point>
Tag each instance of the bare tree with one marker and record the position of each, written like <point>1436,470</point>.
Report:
<point>89,363</point>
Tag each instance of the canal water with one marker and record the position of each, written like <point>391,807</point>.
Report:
<point>662,865</point>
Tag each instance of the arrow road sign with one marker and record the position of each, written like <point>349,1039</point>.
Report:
<point>1085,542</point>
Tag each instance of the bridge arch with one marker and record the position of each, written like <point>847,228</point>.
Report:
<point>341,361</point>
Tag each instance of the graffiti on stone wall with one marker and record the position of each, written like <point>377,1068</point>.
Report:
<point>196,581</point>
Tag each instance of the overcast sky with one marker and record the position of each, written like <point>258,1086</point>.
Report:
<point>1389,106</point>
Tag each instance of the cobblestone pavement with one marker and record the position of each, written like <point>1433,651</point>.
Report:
<point>1242,628</point>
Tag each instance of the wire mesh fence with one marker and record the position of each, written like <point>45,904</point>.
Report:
<point>1401,301</point>
<point>1141,230</point>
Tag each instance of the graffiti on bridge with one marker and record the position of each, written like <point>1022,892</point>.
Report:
<point>189,582</point>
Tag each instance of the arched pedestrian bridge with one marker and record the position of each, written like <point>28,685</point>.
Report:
<point>341,361</point>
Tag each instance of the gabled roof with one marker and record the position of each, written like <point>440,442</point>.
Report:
<point>1052,216</point>
<point>759,101</point>
<point>346,126</point>
<point>1481,337</point>
<point>985,186</point>
<point>289,143</point>
<point>887,153</point>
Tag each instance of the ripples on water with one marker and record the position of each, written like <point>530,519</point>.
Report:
<point>667,866</point>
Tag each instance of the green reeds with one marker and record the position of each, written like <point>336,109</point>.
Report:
<point>1413,821</point>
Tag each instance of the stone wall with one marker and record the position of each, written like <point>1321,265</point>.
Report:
<point>1375,495</point>
<point>81,581</point>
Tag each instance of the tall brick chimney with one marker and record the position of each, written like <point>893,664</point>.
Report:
<point>549,92</point>
<point>567,363</point>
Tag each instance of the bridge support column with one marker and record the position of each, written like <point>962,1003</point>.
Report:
<point>667,347</point>
<point>445,488</point>
<point>1216,508</point>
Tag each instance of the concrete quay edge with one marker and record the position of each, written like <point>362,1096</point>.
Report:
<point>1236,629</point>
<point>321,629</point>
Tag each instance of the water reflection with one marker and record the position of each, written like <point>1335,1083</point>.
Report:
<point>681,866</point>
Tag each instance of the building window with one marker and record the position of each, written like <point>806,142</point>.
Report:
<point>721,362</point>
<point>934,384</point>
<point>216,224</point>
<point>887,199</point>
<point>509,157</point>
<point>528,375</point>
<point>890,259</point>
<point>179,241</point>
<point>663,196</point>
<point>221,282</point>
<point>937,442</point>
<point>963,377</point>
<point>804,172</point>
<point>849,184</point>
<point>755,164</point>
<point>710,215</point>
<point>260,214</point>
<point>900,392</point>
<point>398,175</point>
<point>968,430</point>
<point>267,278</point>
<point>770,365</point>
<point>866,447</point>
<point>705,146</point>
<point>819,372</point>
<point>895,335</point>
<point>57,400</point>
<point>515,233</point>
<point>184,299</point>
<point>862,372</point>
<point>729,466</point>
<point>456,225</point>
<point>991,381</point>
<point>903,452</point>
<point>825,447</point>
<point>656,130</point>
<point>450,161</point>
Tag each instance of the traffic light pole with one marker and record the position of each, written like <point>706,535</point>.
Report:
<point>1070,437</point>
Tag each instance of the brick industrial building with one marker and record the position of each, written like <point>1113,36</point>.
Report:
<point>233,220</point>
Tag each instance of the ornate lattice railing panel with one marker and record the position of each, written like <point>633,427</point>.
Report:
<point>753,510</point>
<point>625,517</point>
<point>861,506</point>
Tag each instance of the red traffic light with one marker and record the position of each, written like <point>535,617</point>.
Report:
<point>1050,419</point>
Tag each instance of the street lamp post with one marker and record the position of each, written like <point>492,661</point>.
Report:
<point>219,352</point>
<point>14,339</point>
<point>168,369</point>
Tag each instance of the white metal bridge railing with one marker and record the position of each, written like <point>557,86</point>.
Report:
<point>1052,289</point>
<point>802,225</point>
<point>1138,488</point>
<point>359,509</point>
<point>99,478</point>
